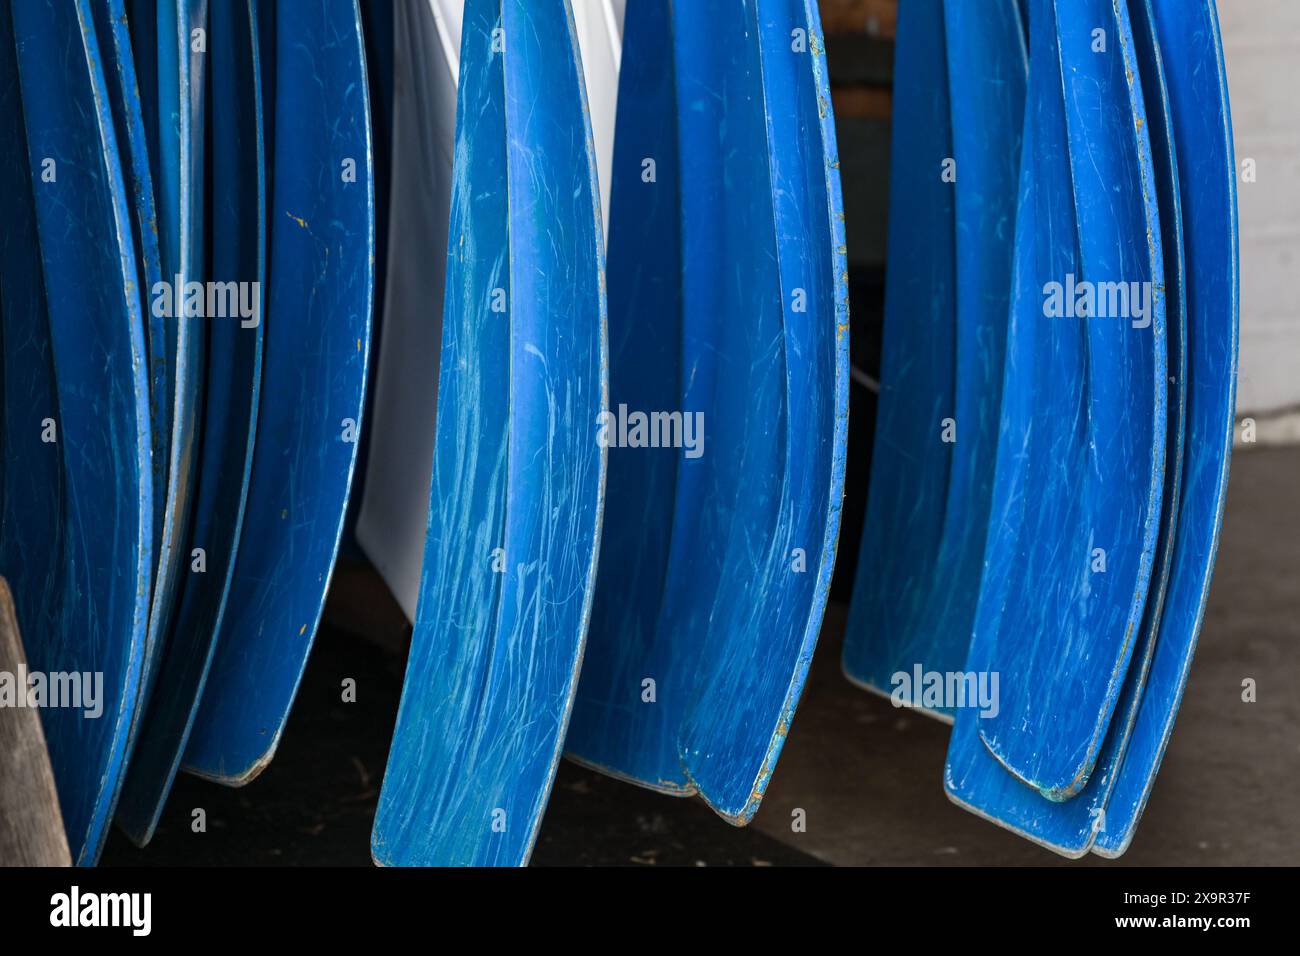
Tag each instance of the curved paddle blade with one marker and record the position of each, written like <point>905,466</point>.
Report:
<point>391,520</point>
<point>111,25</point>
<point>983,786</point>
<point>96,334</point>
<point>1096,455</point>
<point>317,339</point>
<point>518,475</point>
<point>912,457</point>
<point>613,730</point>
<point>1188,34</point>
<point>721,533</point>
<point>915,619</point>
<point>233,383</point>
<point>175,333</point>
<point>768,611</point>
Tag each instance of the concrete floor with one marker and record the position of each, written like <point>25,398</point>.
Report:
<point>868,776</point>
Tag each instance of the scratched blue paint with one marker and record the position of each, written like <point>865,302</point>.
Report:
<point>518,473</point>
<point>733,562</point>
<point>732,737</point>
<point>316,343</point>
<point>129,125</point>
<point>611,729</point>
<point>1040,355</point>
<point>1202,132</point>
<point>32,485</point>
<point>180,222</point>
<point>231,392</point>
<point>142,30</point>
<point>92,609</point>
<point>910,464</point>
<point>1095,454</point>
<point>980,783</point>
<point>142,24</point>
<point>429,810</point>
<point>1155,95</point>
<point>919,588</point>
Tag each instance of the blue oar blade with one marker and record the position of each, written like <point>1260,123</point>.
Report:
<point>97,338</point>
<point>461,582</point>
<point>1039,435</point>
<point>614,728</point>
<point>320,224</point>
<point>31,523</point>
<point>987,68</point>
<point>911,460</point>
<point>1063,656</point>
<point>1198,99</point>
<point>518,474</point>
<point>233,384</point>
<point>917,611</point>
<point>1068,827</point>
<point>179,303</point>
<point>129,115</point>
<point>767,616</point>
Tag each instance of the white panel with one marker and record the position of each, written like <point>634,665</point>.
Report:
<point>393,518</point>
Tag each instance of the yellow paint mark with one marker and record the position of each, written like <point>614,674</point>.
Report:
<point>302,630</point>
<point>298,219</point>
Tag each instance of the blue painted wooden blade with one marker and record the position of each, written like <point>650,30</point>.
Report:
<point>1190,45</point>
<point>142,23</point>
<point>233,383</point>
<point>142,28</point>
<point>981,784</point>
<point>1038,355</point>
<point>32,484</point>
<point>987,76</point>
<point>1063,653</point>
<point>317,339</point>
<point>916,609</point>
<point>180,209</point>
<point>111,26</point>
<point>736,555</point>
<point>612,730</point>
<point>95,622</point>
<point>518,475</point>
<point>910,464</point>
<point>772,609</point>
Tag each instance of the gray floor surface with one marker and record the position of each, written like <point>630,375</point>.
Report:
<point>867,776</point>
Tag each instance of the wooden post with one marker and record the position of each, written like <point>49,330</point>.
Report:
<point>31,825</point>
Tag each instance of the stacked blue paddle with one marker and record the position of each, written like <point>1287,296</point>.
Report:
<point>1056,398</point>
<point>728,300</point>
<point>183,351</point>
<point>689,580</point>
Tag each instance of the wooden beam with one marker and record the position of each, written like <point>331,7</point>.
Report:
<point>31,825</point>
